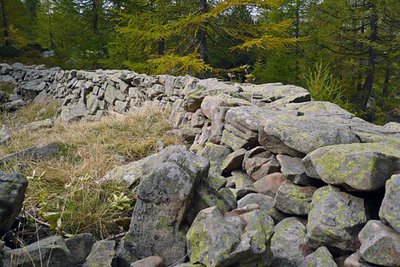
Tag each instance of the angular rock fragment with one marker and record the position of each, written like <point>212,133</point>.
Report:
<point>102,254</point>
<point>270,184</point>
<point>294,199</point>
<point>390,208</point>
<point>288,244</point>
<point>51,251</point>
<point>380,244</point>
<point>80,247</point>
<point>12,194</point>
<point>335,219</point>
<point>364,167</point>
<point>233,161</point>
<point>320,257</point>
<point>163,197</point>
<point>238,237</point>
<point>266,204</point>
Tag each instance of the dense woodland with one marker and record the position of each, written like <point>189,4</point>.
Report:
<point>344,51</point>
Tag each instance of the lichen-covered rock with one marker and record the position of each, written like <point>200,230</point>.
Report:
<point>216,154</point>
<point>319,258</point>
<point>12,194</point>
<point>380,244</point>
<point>240,183</point>
<point>258,163</point>
<point>51,251</point>
<point>390,208</point>
<point>364,167</point>
<point>164,196</point>
<point>102,254</point>
<point>238,237</point>
<point>294,199</point>
<point>335,219</point>
<point>288,244</point>
<point>304,134</point>
<point>233,161</point>
<point>266,204</point>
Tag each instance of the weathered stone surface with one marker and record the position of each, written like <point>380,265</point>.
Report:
<point>51,251</point>
<point>390,208</point>
<point>395,126</point>
<point>270,184</point>
<point>35,153</point>
<point>288,244</point>
<point>152,261</point>
<point>163,197</point>
<point>13,105</point>
<point>335,219</point>
<point>240,183</point>
<point>233,161</point>
<point>36,125</point>
<point>319,258</point>
<point>364,167</point>
<point>294,199</point>
<point>293,168</point>
<point>216,154</point>
<point>5,134</point>
<point>80,247</point>
<point>258,163</point>
<point>303,134</point>
<point>12,194</point>
<point>73,113</point>
<point>380,244</point>
<point>102,254</point>
<point>266,204</point>
<point>239,237</point>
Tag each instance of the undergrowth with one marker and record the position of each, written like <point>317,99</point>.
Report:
<point>65,189</point>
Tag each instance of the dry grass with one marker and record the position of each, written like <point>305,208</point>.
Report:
<point>66,185</point>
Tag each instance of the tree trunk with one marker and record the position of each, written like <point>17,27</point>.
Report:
<point>202,35</point>
<point>6,33</point>
<point>385,92</point>
<point>95,10</point>
<point>372,55</point>
<point>161,47</point>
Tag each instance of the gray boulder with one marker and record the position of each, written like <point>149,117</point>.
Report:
<point>335,219</point>
<point>80,247</point>
<point>390,208</point>
<point>38,152</point>
<point>364,167</point>
<point>380,244</point>
<point>319,258</point>
<point>293,135</point>
<point>266,203</point>
<point>12,194</point>
<point>163,197</point>
<point>51,251</point>
<point>233,161</point>
<point>101,255</point>
<point>294,199</point>
<point>239,237</point>
<point>293,168</point>
<point>288,244</point>
<point>5,135</point>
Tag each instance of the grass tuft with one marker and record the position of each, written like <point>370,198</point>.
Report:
<point>65,188</point>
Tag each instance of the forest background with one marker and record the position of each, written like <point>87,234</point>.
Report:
<point>343,51</point>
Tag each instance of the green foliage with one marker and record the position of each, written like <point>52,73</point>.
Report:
<point>323,86</point>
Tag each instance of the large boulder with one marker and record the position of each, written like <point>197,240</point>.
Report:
<point>163,197</point>
<point>294,135</point>
<point>12,194</point>
<point>364,167</point>
<point>51,251</point>
<point>288,244</point>
<point>80,247</point>
<point>380,244</point>
<point>335,219</point>
<point>238,237</point>
<point>390,208</point>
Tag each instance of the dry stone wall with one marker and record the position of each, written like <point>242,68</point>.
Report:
<point>271,178</point>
